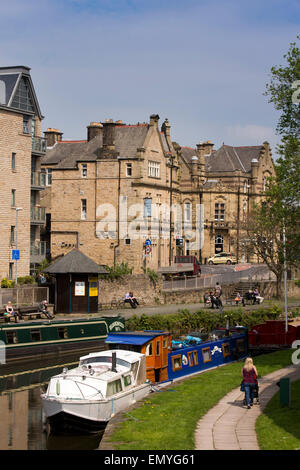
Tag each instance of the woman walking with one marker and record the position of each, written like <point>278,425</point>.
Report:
<point>249,374</point>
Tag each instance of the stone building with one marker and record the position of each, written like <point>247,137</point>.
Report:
<point>21,148</point>
<point>126,185</point>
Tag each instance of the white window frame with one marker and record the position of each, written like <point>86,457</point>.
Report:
<point>83,209</point>
<point>48,176</point>
<point>220,211</point>
<point>128,170</point>
<point>84,170</point>
<point>153,169</point>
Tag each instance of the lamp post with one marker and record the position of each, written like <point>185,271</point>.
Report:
<point>17,212</point>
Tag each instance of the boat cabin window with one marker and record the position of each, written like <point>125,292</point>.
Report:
<point>127,380</point>
<point>176,361</point>
<point>35,334</point>
<point>104,359</point>
<point>226,349</point>
<point>165,343</point>
<point>113,387</point>
<point>206,355</point>
<point>149,349</point>
<point>62,332</point>
<point>157,348</point>
<point>193,358</point>
<point>11,337</point>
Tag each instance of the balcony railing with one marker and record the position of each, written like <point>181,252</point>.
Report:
<point>37,215</point>
<point>38,180</point>
<point>39,145</point>
<point>38,249</point>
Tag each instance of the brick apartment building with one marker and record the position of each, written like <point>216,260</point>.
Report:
<point>21,149</point>
<point>110,193</point>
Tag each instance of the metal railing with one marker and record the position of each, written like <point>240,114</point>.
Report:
<point>37,215</point>
<point>38,179</point>
<point>38,248</point>
<point>39,145</point>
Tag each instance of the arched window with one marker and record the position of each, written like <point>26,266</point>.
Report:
<point>219,243</point>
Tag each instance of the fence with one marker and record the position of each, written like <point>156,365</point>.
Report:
<point>209,281</point>
<point>23,296</point>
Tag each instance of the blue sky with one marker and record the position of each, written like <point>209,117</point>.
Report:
<point>202,64</point>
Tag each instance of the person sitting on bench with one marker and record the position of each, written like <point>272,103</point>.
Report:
<point>43,308</point>
<point>9,312</point>
<point>238,299</point>
<point>131,300</point>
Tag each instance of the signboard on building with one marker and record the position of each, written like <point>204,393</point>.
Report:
<point>93,286</point>
<point>79,288</point>
<point>15,254</point>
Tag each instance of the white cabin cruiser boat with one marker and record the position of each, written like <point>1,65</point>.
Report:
<point>87,397</point>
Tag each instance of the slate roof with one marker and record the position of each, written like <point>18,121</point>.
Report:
<point>75,262</point>
<point>66,154</point>
<point>226,158</point>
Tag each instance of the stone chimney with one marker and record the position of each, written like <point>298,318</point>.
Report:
<point>94,129</point>
<point>205,148</point>
<point>109,134</point>
<point>52,136</point>
<point>154,118</point>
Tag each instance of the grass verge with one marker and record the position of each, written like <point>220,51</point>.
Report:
<point>278,428</point>
<point>167,420</point>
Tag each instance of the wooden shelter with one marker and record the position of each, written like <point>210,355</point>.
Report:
<point>76,283</point>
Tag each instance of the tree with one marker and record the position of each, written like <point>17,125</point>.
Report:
<point>273,224</point>
<point>283,92</point>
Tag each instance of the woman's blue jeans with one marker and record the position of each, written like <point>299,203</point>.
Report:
<point>249,393</point>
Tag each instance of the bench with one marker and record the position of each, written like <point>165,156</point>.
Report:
<point>32,312</point>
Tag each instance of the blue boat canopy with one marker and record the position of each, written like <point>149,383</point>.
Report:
<point>131,338</point>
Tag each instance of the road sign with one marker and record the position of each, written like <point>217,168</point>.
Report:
<point>148,250</point>
<point>148,242</point>
<point>15,254</point>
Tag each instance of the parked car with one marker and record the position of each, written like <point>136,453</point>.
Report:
<point>222,258</point>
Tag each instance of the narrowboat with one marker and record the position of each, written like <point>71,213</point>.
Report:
<point>168,360</point>
<point>86,397</point>
<point>48,338</point>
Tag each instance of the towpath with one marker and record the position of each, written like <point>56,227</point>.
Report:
<point>231,426</point>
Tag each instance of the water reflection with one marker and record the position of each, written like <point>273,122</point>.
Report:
<point>74,442</point>
<point>23,425</point>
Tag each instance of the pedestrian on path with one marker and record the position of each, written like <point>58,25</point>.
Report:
<point>249,373</point>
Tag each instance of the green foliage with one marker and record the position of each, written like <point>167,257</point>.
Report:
<point>185,322</point>
<point>297,282</point>
<point>26,280</point>
<point>278,428</point>
<point>7,284</point>
<point>151,273</point>
<point>281,90</point>
<point>117,272</point>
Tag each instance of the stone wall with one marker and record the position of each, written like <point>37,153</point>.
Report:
<point>151,294</point>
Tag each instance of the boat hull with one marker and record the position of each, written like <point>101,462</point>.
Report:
<point>88,416</point>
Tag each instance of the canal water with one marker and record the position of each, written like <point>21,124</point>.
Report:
<point>23,425</point>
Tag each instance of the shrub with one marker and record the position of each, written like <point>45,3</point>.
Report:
<point>117,272</point>
<point>7,284</point>
<point>184,321</point>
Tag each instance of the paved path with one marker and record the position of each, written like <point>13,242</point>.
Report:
<point>231,426</point>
